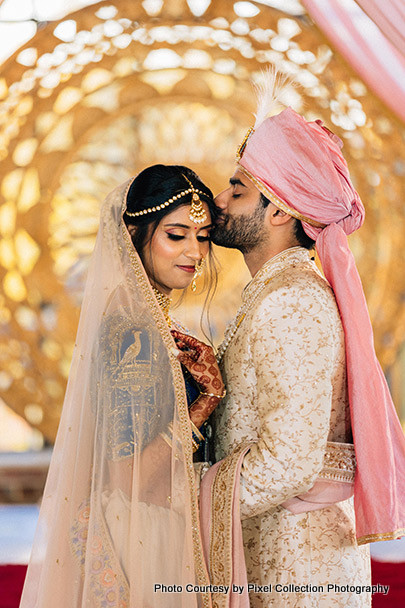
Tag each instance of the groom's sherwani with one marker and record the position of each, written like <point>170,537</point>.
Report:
<point>285,373</point>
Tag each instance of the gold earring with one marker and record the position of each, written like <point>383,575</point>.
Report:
<point>199,267</point>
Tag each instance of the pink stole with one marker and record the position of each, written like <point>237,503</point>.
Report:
<point>221,531</point>
<point>379,491</point>
<point>324,493</point>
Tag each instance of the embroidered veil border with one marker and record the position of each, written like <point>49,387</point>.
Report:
<point>114,523</point>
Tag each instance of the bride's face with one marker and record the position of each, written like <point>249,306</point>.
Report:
<point>177,245</point>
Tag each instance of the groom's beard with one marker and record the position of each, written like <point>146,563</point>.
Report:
<point>243,232</point>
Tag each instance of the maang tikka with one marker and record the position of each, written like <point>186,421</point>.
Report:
<point>199,267</point>
<point>197,212</point>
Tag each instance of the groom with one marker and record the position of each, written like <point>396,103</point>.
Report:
<point>301,375</point>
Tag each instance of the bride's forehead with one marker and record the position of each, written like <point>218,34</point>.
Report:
<point>181,215</point>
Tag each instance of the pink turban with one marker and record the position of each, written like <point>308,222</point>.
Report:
<point>298,166</point>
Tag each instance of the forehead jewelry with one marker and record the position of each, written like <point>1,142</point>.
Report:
<point>197,213</point>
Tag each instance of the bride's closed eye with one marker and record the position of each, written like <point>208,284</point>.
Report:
<point>178,237</point>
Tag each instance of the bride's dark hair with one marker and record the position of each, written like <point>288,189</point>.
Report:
<point>154,186</point>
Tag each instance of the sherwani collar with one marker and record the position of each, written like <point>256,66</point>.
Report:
<point>283,260</point>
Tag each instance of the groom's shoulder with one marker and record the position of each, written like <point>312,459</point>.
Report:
<point>304,278</point>
<point>297,288</point>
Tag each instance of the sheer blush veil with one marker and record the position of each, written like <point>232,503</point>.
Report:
<point>119,511</point>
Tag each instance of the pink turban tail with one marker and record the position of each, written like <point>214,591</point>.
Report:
<point>299,166</point>
<point>378,438</point>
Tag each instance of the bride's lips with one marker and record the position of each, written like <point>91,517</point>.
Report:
<point>190,269</point>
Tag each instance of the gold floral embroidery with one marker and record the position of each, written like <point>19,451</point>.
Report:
<point>221,524</point>
<point>287,393</point>
<point>107,580</point>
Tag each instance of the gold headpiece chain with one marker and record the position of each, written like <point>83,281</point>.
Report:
<point>197,212</point>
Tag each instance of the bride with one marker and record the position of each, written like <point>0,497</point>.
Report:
<point>119,520</point>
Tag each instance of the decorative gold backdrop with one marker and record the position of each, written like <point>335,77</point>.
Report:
<point>120,85</point>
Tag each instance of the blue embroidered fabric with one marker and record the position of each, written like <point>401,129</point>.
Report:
<point>205,451</point>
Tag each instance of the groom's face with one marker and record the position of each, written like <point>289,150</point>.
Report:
<point>241,223</point>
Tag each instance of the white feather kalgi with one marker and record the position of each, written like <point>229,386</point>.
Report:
<point>268,93</point>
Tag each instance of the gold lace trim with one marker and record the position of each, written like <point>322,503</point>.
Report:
<point>372,538</point>
<point>221,525</point>
<point>164,302</point>
<point>339,462</point>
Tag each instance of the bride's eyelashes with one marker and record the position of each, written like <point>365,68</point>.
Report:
<point>178,237</point>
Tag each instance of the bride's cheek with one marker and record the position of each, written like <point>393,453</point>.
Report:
<point>166,249</point>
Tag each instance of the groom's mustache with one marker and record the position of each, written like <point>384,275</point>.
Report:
<point>221,219</point>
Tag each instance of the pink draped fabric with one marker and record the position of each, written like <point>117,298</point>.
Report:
<point>299,166</point>
<point>324,493</point>
<point>389,17</point>
<point>238,574</point>
<point>378,438</point>
<point>364,46</point>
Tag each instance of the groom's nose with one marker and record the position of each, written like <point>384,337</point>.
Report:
<point>221,200</point>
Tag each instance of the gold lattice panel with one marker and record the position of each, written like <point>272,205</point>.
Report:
<point>120,85</point>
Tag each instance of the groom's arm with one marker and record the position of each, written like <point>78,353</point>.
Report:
<point>292,349</point>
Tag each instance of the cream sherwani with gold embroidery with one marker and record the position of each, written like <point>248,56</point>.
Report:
<point>285,375</point>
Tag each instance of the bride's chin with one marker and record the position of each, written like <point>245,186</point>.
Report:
<point>182,286</point>
<point>181,283</point>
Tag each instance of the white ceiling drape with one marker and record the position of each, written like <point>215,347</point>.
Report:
<point>373,43</point>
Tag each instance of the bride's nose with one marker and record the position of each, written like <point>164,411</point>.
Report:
<point>193,249</point>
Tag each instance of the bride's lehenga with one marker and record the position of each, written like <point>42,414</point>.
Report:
<point>119,514</point>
